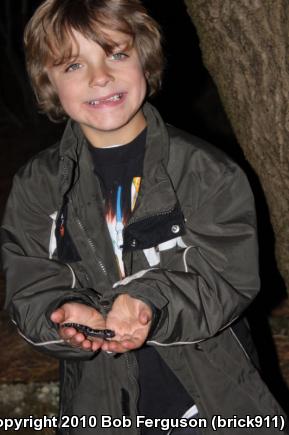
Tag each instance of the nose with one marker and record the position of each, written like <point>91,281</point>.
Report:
<point>100,76</point>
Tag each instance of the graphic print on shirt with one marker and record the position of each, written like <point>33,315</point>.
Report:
<point>119,169</point>
<point>120,203</point>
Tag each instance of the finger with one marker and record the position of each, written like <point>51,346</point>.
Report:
<point>77,339</point>
<point>96,345</point>
<point>113,346</point>
<point>86,345</point>
<point>131,344</point>
<point>58,316</point>
<point>121,346</point>
<point>67,333</point>
<point>144,317</point>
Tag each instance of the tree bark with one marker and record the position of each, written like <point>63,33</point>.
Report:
<point>245,47</point>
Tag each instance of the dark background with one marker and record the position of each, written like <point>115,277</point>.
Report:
<point>188,100</point>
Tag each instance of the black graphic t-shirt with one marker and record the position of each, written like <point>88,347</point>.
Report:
<point>120,170</point>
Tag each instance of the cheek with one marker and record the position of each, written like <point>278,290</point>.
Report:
<point>139,80</point>
<point>135,73</point>
<point>66,95</point>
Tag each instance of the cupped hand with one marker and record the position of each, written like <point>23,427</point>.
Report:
<point>130,319</point>
<point>75,312</point>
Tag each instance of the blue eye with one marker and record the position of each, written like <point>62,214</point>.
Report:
<point>119,56</point>
<point>73,67</point>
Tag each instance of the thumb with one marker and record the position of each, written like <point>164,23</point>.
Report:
<point>145,317</point>
<point>58,316</point>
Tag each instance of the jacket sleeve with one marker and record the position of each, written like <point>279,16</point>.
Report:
<point>208,283</point>
<point>35,284</point>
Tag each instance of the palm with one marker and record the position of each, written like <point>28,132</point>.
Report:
<point>74,312</point>
<point>78,313</point>
<point>130,318</point>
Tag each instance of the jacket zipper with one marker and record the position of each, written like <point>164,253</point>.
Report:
<point>161,213</point>
<point>92,246</point>
<point>132,366</point>
<point>82,227</point>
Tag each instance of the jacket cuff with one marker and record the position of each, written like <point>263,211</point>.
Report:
<point>156,315</point>
<point>138,287</point>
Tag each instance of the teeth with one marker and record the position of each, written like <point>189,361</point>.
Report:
<point>114,98</point>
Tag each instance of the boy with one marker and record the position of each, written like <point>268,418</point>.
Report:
<point>132,226</point>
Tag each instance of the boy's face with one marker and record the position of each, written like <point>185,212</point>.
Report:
<point>103,92</point>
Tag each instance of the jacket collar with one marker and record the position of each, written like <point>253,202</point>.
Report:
<point>71,141</point>
<point>157,193</point>
<point>73,138</point>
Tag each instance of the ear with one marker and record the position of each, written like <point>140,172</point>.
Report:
<point>147,75</point>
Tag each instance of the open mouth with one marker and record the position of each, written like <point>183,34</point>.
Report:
<point>111,99</point>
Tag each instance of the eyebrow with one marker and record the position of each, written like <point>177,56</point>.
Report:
<point>122,47</point>
<point>125,43</point>
<point>64,61</point>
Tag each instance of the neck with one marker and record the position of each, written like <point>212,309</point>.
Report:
<point>119,136</point>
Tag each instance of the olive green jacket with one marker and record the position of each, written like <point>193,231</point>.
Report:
<point>190,249</point>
